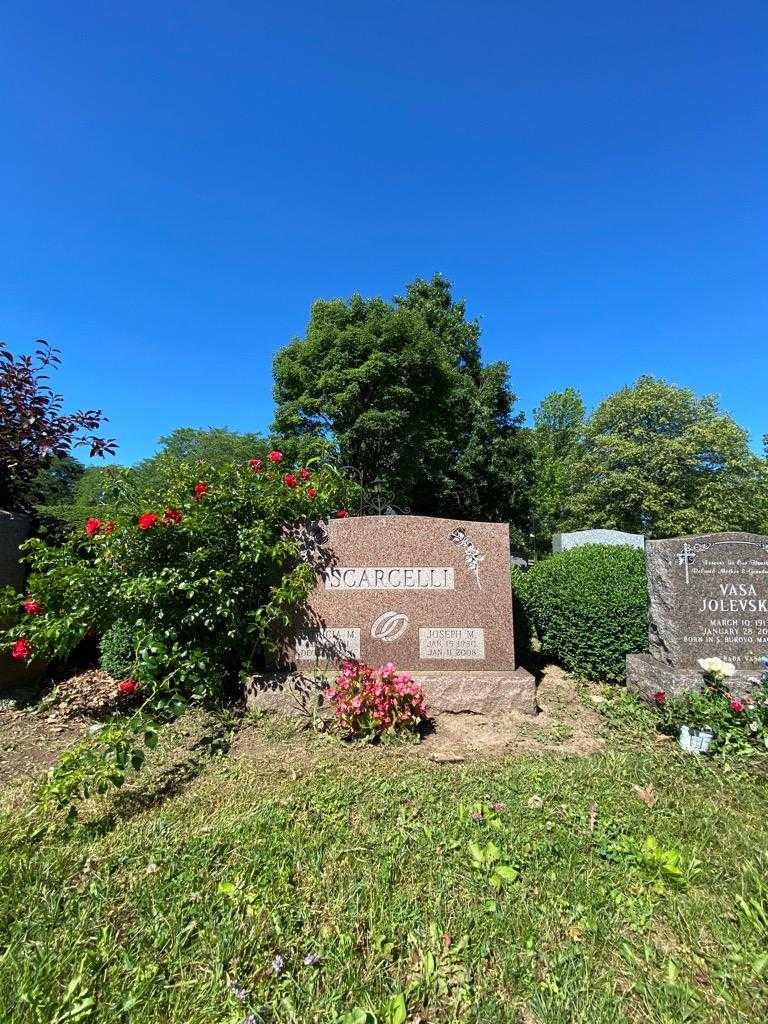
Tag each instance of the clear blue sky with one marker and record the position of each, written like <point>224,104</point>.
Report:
<point>179,181</point>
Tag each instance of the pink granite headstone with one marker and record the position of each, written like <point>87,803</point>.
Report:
<point>431,595</point>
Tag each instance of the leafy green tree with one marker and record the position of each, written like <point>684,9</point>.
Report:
<point>96,491</point>
<point>400,390</point>
<point>661,461</point>
<point>55,485</point>
<point>556,440</point>
<point>104,491</point>
<point>217,446</point>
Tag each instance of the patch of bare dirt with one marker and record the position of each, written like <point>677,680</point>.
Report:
<point>29,744</point>
<point>564,724</point>
<point>31,741</point>
<point>33,737</point>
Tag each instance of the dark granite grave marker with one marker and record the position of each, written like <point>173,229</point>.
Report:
<point>708,597</point>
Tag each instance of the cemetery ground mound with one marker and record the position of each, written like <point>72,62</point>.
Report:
<point>34,735</point>
<point>255,867</point>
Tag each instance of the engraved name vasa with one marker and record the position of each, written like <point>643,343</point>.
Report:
<point>390,577</point>
<point>735,597</point>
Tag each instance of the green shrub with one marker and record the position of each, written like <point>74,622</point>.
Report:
<point>522,621</point>
<point>588,607</point>
<point>118,649</point>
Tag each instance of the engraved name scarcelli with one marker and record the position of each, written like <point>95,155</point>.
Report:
<point>472,554</point>
<point>390,577</point>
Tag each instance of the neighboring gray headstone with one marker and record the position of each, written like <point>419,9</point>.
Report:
<point>14,530</point>
<point>578,539</point>
<point>708,597</point>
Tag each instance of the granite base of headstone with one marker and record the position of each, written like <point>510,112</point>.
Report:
<point>708,598</point>
<point>14,530</point>
<point>432,596</point>
<point>646,676</point>
<point>447,693</point>
<point>295,694</point>
<point>610,538</point>
<point>479,693</point>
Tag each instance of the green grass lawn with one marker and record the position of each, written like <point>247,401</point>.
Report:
<point>329,883</point>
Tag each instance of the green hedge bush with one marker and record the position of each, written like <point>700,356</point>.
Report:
<point>117,649</point>
<point>588,607</point>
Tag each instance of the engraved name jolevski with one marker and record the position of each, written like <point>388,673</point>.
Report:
<point>390,577</point>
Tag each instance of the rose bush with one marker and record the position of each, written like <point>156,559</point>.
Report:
<point>371,702</point>
<point>199,575</point>
<point>739,722</point>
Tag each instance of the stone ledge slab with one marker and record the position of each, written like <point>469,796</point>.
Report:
<point>478,693</point>
<point>647,675</point>
<point>286,693</point>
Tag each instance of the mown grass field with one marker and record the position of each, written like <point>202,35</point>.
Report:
<point>301,880</point>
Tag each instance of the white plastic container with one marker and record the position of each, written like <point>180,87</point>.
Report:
<point>695,741</point>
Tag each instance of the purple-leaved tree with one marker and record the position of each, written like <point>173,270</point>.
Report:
<point>33,426</point>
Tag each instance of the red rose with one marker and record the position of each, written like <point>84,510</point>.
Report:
<point>736,705</point>
<point>147,520</point>
<point>201,489</point>
<point>109,527</point>
<point>659,696</point>
<point>311,492</point>
<point>21,649</point>
<point>92,526</point>
<point>341,513</point>
<point>256,465</point>
<point>304,474</point>
<point>275,456</point>
<point>128,686</point>
<point>171,515</point>
<point>32,607</point>
<point>290,480</point>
